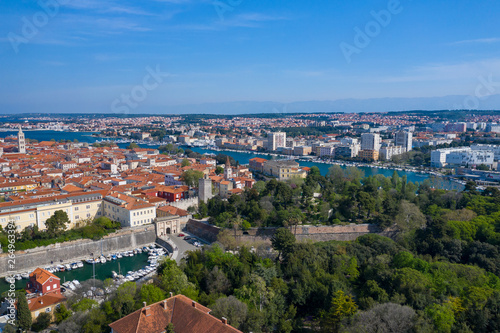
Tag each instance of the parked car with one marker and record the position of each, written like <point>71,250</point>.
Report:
<point>181,235</point>
<point>187,238</point>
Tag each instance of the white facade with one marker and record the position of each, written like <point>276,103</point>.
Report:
<point>370,141</point>
<point>386,153</point>
<point>465,157</point>
<point>276,140</point>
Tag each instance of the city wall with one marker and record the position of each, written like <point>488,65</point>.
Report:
<point>80,249</point>
<point>185,204</point>
<point>321,233</point>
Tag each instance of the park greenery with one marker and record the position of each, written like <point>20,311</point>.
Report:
<point>56,232</point>
<point>439,271</point>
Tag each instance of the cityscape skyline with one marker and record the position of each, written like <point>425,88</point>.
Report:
<point>237,57</point>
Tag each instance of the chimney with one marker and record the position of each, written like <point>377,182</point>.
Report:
<point>165,304</point>
<point>194,304</point>
<point>171,294</point>
<point>144,304</point>
<point>224,320</point>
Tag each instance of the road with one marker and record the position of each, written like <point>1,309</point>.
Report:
<point>181,245</point>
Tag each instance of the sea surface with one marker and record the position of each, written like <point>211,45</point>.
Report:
<point>102,271</point>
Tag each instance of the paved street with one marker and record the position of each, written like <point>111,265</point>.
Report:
<point>182,245</point>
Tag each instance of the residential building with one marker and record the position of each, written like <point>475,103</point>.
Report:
<point>186,315</point>
<point>370,141</point>
<point>386,153</point>
<point>128,210</point>
<point>369,155</point>
<point>404,139</point>
<point>276,140</point>
<point>284,169</point>
<point>43,293</point>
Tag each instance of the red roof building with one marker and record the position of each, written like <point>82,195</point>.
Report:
<point>186,315</point>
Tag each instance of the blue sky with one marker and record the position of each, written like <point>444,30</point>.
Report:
<point>86,54</point>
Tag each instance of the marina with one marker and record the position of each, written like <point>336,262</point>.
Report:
<point>133,265</point>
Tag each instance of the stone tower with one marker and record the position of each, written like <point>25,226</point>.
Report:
<point>21,145</point>
<point>228,171</point>
<point>205,189</point>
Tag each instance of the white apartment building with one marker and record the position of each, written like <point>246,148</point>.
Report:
<point>128,210</point>
<point>370,141</point>
<point>386,153</point>
<point>404,139</point>
<point>276,140</point>
<point>463,157</point>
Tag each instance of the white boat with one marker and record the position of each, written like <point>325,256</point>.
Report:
<point>68,267</point>
<point>79,264</point>
<point>71,285</point>
<point>119,255</point>
<point>76,283</point>
<point>108,257</point>
<point>114,274</point>
<point>103,260</point>
<point>74,266</point>
<point>10,279</point>
<point>25,275</point>
<point>18,277</point>
<point>90,261</point>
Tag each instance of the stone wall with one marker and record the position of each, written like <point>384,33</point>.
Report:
<point>185,204</point>
<point>320,233</point>
<point>80,249</point>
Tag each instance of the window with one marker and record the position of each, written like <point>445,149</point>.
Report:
<point>32,216</point>
<point>77,208</point>
<point>88,214</point>
<point>48,288</point>
<point>2,220</point>
<point>77,217</point>
<point>55,286</point>
<point>48,310</point>
<point>88,206</point>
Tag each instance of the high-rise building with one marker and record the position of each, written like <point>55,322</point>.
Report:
<point>276,140</point>
<point>370,141</point>
<point>404,139</point>
<point>21,145</point>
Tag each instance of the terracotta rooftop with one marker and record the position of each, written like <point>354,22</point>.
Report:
<point>41,275</point>
<point>44,301</point>
<point>186,315</point>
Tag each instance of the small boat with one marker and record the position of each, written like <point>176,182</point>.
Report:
<point>68,267</point>
<point>108,257</point>
<point>90,261</point>
<point>103,260</point>
<point>139,250</point>
<point>114,257</point>
<point>10,279</point>
<point>119,255</point>
<point>114,274</point>
<point>18,276</point>
<point>25,275</point>
<point>61,268</point>
<point>130,253</point>
<point>76,283</point>
<point>79,264</point>
<point>71,285</point>
<point>74,266</point>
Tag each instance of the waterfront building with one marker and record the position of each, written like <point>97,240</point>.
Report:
<point>369,155</point>
<point>186,315</point>
<point>129,211</point>
<point>284,169</point>
<point>386,153</point>
<point>404,139</point>
<point>43,293</point>
<point>370,141</point>
<point>462,157</point>
<point>276,140</point>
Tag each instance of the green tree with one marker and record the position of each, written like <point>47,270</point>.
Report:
<point>219,170</point>
<point>57,222</point>
<point>84,304</point>
<point>170,328</point>
<point>342,306</point>
<point>150,294</point>
<point>61,313</point>
<point>132,145</point>
<point>42,321</point>
<point>442,316</point>
<point>191,177</point>
<point>282,241</point>
<point>23,312</point>
<point>185,162</point>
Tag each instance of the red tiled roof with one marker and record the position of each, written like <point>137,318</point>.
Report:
<point>179,311</point>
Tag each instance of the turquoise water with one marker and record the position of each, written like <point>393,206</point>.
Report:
<point>102,271</point>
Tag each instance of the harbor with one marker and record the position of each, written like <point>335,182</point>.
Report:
<point>123,266</point>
